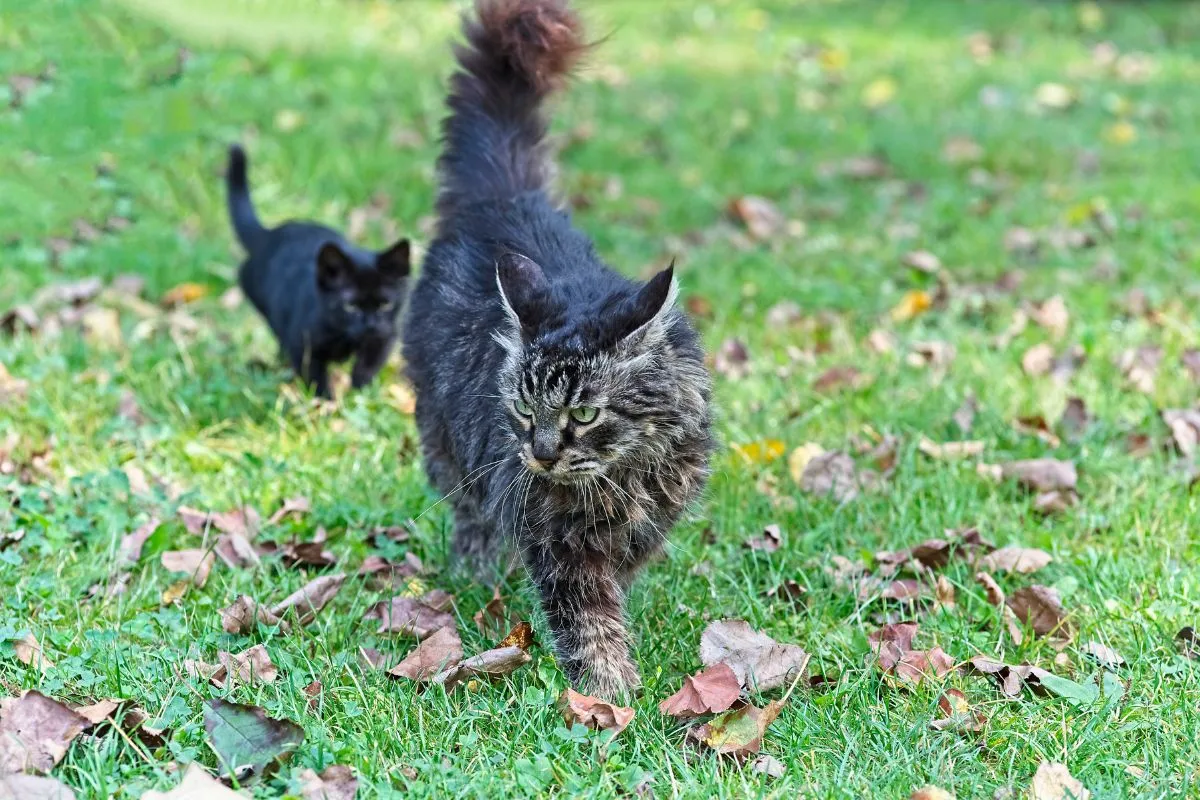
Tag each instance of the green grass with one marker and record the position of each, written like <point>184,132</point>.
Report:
<point>687,105</point>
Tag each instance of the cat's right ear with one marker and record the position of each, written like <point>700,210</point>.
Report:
<point>334,267</point>
<point>523,289</point>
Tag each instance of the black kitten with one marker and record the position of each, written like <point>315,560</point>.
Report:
<point>559,403</point>
<point>325,299</point>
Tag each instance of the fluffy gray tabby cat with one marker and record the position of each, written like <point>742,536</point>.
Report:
<point>561,406</point>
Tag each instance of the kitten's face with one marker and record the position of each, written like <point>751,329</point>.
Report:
<point>363,300</point>
<point>582,402</point>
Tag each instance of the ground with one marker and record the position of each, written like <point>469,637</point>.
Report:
<point>1013,139</point>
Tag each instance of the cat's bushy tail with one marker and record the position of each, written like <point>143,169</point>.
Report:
<point>517,53</point>
<point>241,209</point>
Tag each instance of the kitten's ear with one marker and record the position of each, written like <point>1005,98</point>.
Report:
<point>396,261</point>
<point>334,267</point>
<point>648,309</point>
<point>523,289</point>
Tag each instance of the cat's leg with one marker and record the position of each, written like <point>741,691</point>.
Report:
<point>371,357</point>
<point>584,605</point>
<point>312,370</point>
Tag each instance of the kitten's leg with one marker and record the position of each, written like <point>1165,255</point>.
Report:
<point>313,371</point>
<point>370,359</point>
<point>584,605</point>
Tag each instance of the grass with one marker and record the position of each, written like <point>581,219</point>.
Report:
<point>687,106</point>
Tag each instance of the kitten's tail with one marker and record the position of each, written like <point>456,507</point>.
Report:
<point>517,53</point>
<point>241,210</point>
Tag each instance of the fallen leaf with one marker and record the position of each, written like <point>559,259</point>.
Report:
<point>935,354</point>
<point>102,327</point>
<point>1040,608</point>
<point>99,711</point>
<point>175,592</point>
<point>520,636</point>
<point>881,342</point>
<point>1021,560</point>
<point>950,451</point>
<point>768,542</point>
<point>879,92</point>
<point>16,786</point>
<point>922,261</point>
<point>838,378</point>
<point>1189,642</point>
<point>1075,419</point>
<point>931,793</point>
<point>759,661</point>
<point>408,615</point>
<point>868,167</point>
<point>1042,474</point>
<point>1191,360</point>
<point>732,359</point>
<point>197,784</point>
<point>964,417</point>
<point>782,315</point>
<point>761,452</point>
<point>29,652</point>
<point>593,713</point>
<point>992,590</point>
<point>496,662</point>
<point>760,216</point>
<point>294,507</point>
<point>242,614</point>
<point>832,474</point>
<point>738,733</point>
<point>433,655</point>
<point>1038,360</point>
<point>184,293</point>
<point>336,782</point>
<point>1010,677</point>
<point>957,714</point>
<point>313,692</point>
<point>493,617</point>
<point>1185,430</point>
<point>245,739</point>
<point>1140,367</point>
<point>248,667</point>
<point>1053,781</point>
<point>35,732</point>
<point>892,645</point>
<point>769,766</point>
<point>308,554</point>
<point>1052,315</point>
<point>790,591</point>
<point>1054,96</point>
<point>385,574</point>
<point>196,563</point>
<point>130,549</point>
<point>402,398</point>
<point>961,150</point>
<point>799,459</point>
<point>231,298</point>
<point>1104,655</point>
<point>913,304</point>
<point>709,691</point>
<point>309,599</point>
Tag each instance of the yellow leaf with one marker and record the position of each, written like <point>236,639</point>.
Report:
<point>800,457</point>
<point>288,120</point>
<point>175,592</point>
<point>1121,133</point>
<point>761,452</point>
<point>879,93</point>
<point>184,293</point>
<point>401,398</point>
<point>913,304</point>
<point>1091,17</point>
<point>1054,95</point>
<point>833,60</point>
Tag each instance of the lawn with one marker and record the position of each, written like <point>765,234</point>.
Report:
<point>1054,142</point>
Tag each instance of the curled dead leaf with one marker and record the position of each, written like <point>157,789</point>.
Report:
<point>709,691</point>
<point>1040,608</point>
<point>407,615</point>
<point>593,713</point>
<point>433,655</point>
<point>35,733</point>
<point>957,714</point>
<point>1042,474</point>
<point>1021,560</point>
<point>1053,781</point>
<point>758,660</point>
<point>492,663</point>
<point>949,451</point>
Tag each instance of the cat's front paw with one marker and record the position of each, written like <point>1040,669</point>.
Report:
<point>614,679</point>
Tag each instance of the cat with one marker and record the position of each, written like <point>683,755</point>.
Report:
<point>325,299</point>
<point>560,405</point>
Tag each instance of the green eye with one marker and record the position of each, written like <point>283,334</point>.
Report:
<point>522,408</point>
<point>585,414</point>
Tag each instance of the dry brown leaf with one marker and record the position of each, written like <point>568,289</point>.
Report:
<point>1104,655</point>
<point>496,662</point>
<point>768,542</point>
<point>843,377</point>
<point>196,563</point>
<point>709,691</point>
<point>1040,608</point>
<point>881,342</point>
<point>402,398</point>
<point>1052,315</point>
<point>789,591</point>
<point>197,784</point>
<point>992,590</point>
<point>1140,367</point>
<point>99,711</point>
<point>29,652</point>
<point>832,474</point>
<point>760,216</point>
<point>949,451</point>
<point>408,615</point>
<point>593,713</point>
<point>957,714</point>
<point>964,417</point>
<point>738,733</point>
<point>1038,360</point>
<point>892,645</point>
<point>1021,560</point>
<point>1042,474</point>
<point>336,782</point>
<point>732,360</point>
<point>1189,642</point>
<point>308,554</point>
<point>309,599</point>
<point>931,793</point>
<point>1185,430</point>
<point>102,327</point>
<point>313,692</point>
<point>922,261</point>
<point>246,667</point>
<point>17,786</point>
<point>934,354</point>
<point>1010,677</point>
<point>35,732</point>
<point>433,655</point>
<point>799,458</point>
<point>769,766</point>
<point>520,636</point>
<point>1075,419</point>
<point>130,549</point>
<point>242,614</point>
<point>294,507</point>
<point>758,660</point>
<point>493,618</point>
<point>1053,781</point>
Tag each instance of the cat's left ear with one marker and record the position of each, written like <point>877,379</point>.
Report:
<point>334,267</point>
<point>524,290</point>
<point>645,316</point>
<point>396,261</point>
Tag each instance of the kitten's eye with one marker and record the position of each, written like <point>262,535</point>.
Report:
<point>349,308</point>
<point>585,415</point>
<point>386,306</point>
<point>522,408</point>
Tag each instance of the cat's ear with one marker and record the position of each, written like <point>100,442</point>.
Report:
<point>396,261</point>
<point>646,313</point>
<point>334,267</point>
<point>523,289</point>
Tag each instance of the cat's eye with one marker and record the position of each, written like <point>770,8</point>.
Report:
<point>349,308</point>
<point>585,415</point>
<point>386,306</point>
<point>522,408</point>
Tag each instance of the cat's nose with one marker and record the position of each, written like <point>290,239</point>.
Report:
<point>545,454</point>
